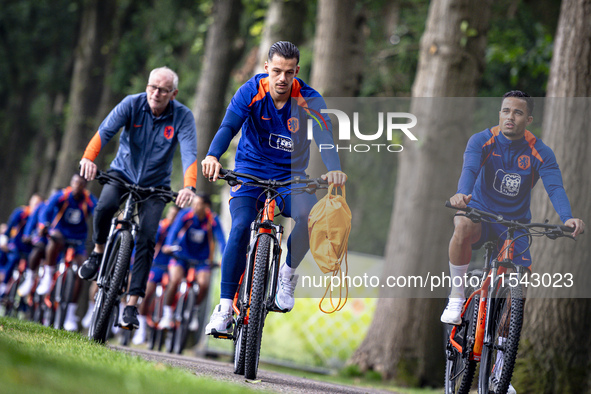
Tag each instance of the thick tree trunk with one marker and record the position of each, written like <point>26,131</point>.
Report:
<point>220,53</point>
<point>549,365</point>
<point>88,82</point>
<point>404,340</point>
<point>279,26</point>
<point>337,70</point>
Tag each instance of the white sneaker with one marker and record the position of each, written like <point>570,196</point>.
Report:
<point>25,288</point>
<point>167,322</point>
<point>139,336</point>
<point>194,323</point>
<point>46,280</point>
<point>511,389</point>
<point>286,288</point>
<point>87,319</point>
<point>453,311</point>
<point>221,321</point>
<point>71,322</point>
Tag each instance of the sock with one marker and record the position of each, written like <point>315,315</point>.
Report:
<point>287,271</point>
<point>29,273</point>
<point>457,285</point>
<point>226,304</point>
<point>167,311</point>
<point>142,320</point>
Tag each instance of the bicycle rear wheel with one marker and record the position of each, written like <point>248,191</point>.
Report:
<point>65,289</point>
<point>498,357</point>
<point>258,312</point>
<point>460,368</point>
<point>119,259</point>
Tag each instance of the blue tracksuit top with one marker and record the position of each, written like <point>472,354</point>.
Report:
<point>147,143</point>
<point>274,143</point>
<point>191,234</point>
<point>68,215</point>
<point>500,174</point>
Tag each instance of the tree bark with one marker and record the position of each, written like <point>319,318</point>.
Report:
<point>220,52</point>
<point>337,70</point>
<point>88,82</point>
<point>404,340</point>
<point>279,26</point>
<point>556,345</point>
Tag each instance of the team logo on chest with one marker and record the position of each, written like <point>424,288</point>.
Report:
<point>293,124</point>
<point>523,162</point>
<point>507,184</point>
<point>168,132</point>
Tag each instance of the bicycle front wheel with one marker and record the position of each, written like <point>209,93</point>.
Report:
<point>258,312</point>
<point>184,315</point>
<point>498,357</point>
<point>121,253</point>
<point>64,291</point>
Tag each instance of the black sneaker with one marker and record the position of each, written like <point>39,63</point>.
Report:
<point>89,269</point>
<point>129,319</point>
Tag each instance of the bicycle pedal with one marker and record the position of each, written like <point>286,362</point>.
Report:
<point>219,335</point>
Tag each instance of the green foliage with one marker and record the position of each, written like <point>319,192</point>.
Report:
<point>518,54</point>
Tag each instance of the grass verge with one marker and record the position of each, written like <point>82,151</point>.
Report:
<point>37,359</point>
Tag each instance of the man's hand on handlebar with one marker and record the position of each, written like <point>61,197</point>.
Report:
<point>335,177</point>
<point>577,224</point>
<point>88,169</point>
<point>210,166</point>
<point>460,200</point>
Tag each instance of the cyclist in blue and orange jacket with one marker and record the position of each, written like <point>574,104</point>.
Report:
<point>192,233</point>
<point>153,124</point>
<point>272,109</point>
<point>16,246</point>
<point>38,241</point>
<point>64,220</point>
<point>501,166</point>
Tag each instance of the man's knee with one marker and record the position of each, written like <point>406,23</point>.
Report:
<point>466,231</point>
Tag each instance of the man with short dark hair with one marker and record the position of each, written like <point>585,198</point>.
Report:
<point>153,125</point>
<point>272,109</point>
<point>501,166</point>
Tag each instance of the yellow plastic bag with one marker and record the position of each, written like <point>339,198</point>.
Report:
<point>329,225</point>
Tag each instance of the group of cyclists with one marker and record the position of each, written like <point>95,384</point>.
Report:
<point>36,236</point>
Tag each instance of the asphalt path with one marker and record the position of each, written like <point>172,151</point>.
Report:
<point>269,381</point>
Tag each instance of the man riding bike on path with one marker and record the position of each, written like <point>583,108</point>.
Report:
<point>271,109</point>
<point>501,166</point>
<point>153,125</point>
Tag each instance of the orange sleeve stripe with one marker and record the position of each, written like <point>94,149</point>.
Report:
<point>531,140</point>
<point>263,89</point>
<point>93,148</point>
<point>495,131</point>
<point>191,175</point>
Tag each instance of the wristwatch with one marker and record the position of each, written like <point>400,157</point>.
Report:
<point>191,188</point>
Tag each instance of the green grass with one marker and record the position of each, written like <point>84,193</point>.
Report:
<point>36,359</point>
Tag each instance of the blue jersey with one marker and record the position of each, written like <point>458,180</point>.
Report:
<point>15,229</point>
<point>193,235</point>
<point>147,143</point>
<point>161,259</point>
<point>67,214</point>
<point>500,174</point>
<point>274,142</point>
<point>31,228</point>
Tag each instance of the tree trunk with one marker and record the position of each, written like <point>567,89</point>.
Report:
<point>337,70</point>
<point>404,340</point>
<point>88,81</point>
<point>220,53</point>
<point>548,365</point>
<point>279,26</point>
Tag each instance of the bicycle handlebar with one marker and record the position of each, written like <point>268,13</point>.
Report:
<point>477,215</point>
<point>104,178</point>
<point>232,178</point>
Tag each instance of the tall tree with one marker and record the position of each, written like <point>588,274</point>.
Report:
<point>404,340</point>
<point>88,83</point>
<point>548,365</point>
<point>338,57</point>
<point>220,52</point>
<point>280,26</point>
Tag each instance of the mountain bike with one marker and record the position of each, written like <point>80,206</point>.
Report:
<point>11,303</point>
<point>255,297</point>
<point>492,316</point>
<point>186,309</point>
<point>155,334</point>
<point>114,270</point>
